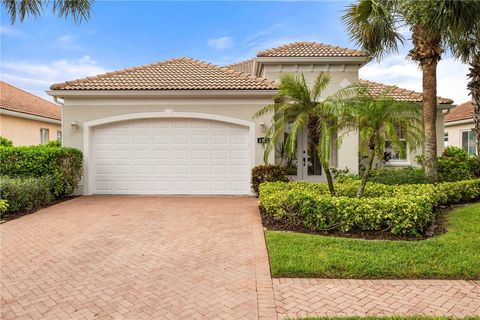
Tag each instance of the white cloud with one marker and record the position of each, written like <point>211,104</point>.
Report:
<point>36,77</point>
<point>9,31</point>
<point>221,43</point>
<point>67,38</point>
<point>397,70</point>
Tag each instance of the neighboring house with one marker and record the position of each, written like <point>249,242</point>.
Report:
<point>459,127</point>
<point>183,126</point>
<point>27,119</point>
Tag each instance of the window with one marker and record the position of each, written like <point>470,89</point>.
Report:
<point>59,135</point>
<point>44,135</point>
<point>394,155</point>
<point>468,142</point>
<point>445,139</point>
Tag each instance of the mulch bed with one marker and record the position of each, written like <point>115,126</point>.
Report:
<point>438,227</point>
<point>9,217</point>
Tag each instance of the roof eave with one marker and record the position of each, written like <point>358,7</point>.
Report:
<point>163,93</point>
<point>362,60</point>
<point>30,116</point>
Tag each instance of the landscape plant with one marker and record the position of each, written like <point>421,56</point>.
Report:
<point>300,106</point>
<point>378,117</point>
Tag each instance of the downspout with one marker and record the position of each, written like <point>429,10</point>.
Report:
<point>61,104</point>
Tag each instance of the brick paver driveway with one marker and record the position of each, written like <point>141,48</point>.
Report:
<point>136,257</point>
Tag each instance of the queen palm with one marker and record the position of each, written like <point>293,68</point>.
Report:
<point>376,25</point>
<point>300,106</point>
<point>379,118</point>
<point>20,9</point>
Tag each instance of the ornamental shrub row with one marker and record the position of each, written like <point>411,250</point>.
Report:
<point>63,166</point>
<point>267,173</point>
<point>25,194</point>
<point>401,209</point>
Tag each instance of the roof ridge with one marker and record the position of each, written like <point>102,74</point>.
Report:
<point>314,43</point>
<point>239,62</point>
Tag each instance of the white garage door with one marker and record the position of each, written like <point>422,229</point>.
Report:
<point>171,156</point>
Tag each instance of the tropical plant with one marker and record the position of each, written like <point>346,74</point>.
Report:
<point>79,10</point>
<point>465,46</point>
<point>376,25</point>
<point>299,105</point>
<point>379,118</point>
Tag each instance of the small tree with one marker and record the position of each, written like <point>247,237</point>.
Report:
<point>379,118</point>
<point>300,105</point>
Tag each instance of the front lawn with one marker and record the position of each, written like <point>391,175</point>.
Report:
<point>388,318</point>
<point>453,255</point>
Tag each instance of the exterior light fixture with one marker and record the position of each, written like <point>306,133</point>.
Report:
<point>74,125</point>
<point>263,126</point>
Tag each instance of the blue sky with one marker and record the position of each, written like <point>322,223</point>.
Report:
<point>120,34</point>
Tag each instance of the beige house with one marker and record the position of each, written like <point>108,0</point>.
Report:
<point>459,127</point>
<point>184,126</point>
<point>27,119</point>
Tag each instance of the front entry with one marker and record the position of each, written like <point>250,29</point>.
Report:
<point>304,165</point>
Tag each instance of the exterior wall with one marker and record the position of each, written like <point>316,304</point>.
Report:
<point>341,75</point>
<point>81,110</point>
<point>455,132</point>
<point>25,132</point>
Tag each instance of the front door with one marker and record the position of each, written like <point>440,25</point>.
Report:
<point>304,165</point>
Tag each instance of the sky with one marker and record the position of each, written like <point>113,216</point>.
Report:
<point>41,51</point>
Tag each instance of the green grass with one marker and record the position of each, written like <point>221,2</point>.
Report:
<point>389,318</point>
<point>453,255</point>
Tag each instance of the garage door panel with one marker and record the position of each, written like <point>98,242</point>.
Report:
<point>171,156</point>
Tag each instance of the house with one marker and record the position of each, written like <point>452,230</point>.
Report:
<point>26,119</point>
<point>459,125</point>
<point>184,126</point>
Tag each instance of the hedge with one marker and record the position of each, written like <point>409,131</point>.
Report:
<point>25,194</point>
<point>3,206</point>
<point>398,176</point>
<point>267,173</point>
<point>402,209</point>
<point>62,165</point>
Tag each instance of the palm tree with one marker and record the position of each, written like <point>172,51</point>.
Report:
<point>465,46</point>
<point>380,118</point>
<point>20,9</point>
<point>376,25</point>
<point>300,106</point>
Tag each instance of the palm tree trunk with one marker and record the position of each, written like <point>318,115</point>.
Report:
<point>430,118</point>
<point>427,50</point>
<point>366,174</point>
<point>474,87</point>
<point>328,174</point>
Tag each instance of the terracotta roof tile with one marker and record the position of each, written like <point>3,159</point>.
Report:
<point>401,94</point>
<point>18,100</point>
<point>310,49</point>
<point>461,112</point>
<point>243,66</point>
<point>174,74</point>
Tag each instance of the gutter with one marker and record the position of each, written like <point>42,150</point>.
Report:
<point>458,122</point>
<point>269,93</point>
<point>29,116</point>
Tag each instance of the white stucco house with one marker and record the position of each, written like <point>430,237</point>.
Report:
<point>184,126</point>
<point>459,128</point>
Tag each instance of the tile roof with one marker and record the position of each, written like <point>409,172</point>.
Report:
<point>310,49</point>
<point>401,94</point>
<point>15,99</point>
<point>463,111</point>
<point>174,74</point>
<point>243,66</point>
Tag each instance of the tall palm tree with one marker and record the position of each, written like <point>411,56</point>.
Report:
<point>299,105</point>
<point>380,118</point>
<point>465,46</point>
<point>79,10</point>
<point>376,25</point>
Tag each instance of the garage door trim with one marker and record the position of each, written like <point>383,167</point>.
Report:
<point>88,175</point>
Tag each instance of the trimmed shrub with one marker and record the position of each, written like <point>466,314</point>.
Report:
<point>3,207</point>
<point>399,176</point>
<point>62,165</point>
<point>25,194</point>
<point>454,165</point>
<point>267,173</point>
<point>457,192</point>
<point>53,143</point>
<point>4,142</point>
<point>307,205</point>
